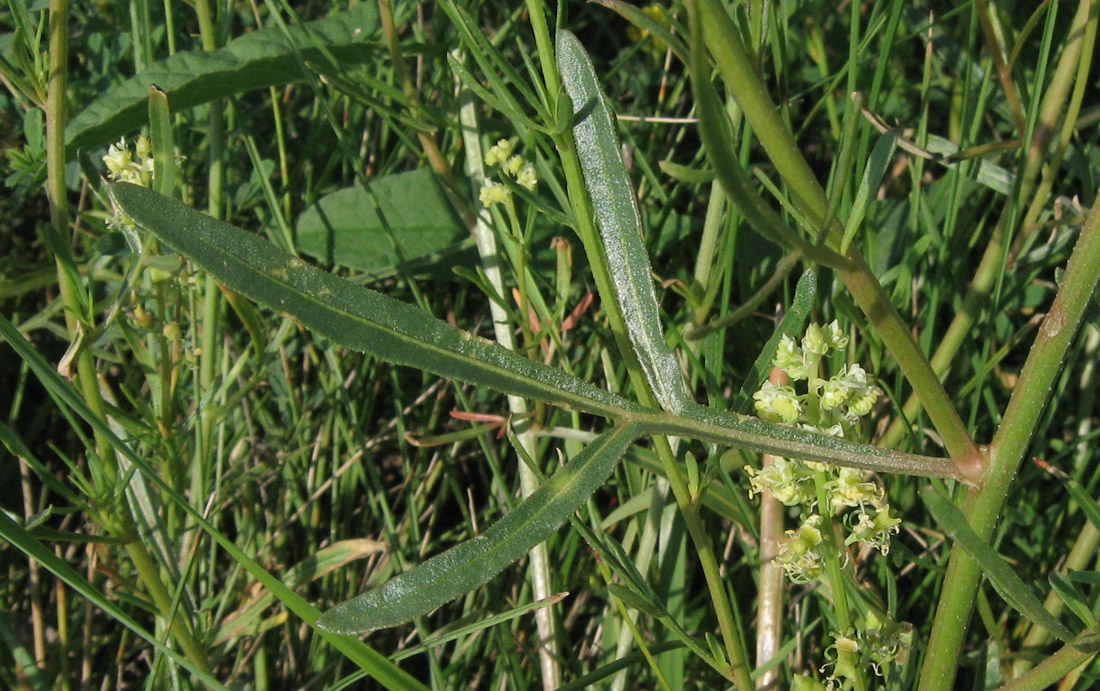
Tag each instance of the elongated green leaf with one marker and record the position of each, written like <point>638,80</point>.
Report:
<point>792,323</point>
<point>1075,600</point>
<point>479,625</point>
<point>248,619</point>
<point>365,320</point>
<point>872,178</point>
<point>1079,493</point>
<point>644,22</point>
<point>619,221</point>
<point>350,315</point>
<point>164,149</point>
<point>253,61</point>
<point>471,564</point>
<point>1003,577</point>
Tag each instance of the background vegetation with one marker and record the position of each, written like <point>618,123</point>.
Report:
<point>334,470</point>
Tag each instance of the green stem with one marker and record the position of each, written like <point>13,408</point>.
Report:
<point>1050,671</point>
<point>722,39</point>
<point>542,584</point>
<point>1029,399</point>
<point>846,660</point>
<point>211,293</point>
<point>78,321</point>
<point>888,324</point>
<point>731,634</point>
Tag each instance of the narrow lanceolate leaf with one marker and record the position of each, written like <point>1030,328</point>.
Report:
<point>471,564</point>
<point>794,321</point>
<point>350,315</point>
<point>997,571</point>
<point>620,224</point>
<point>255,60</point>
<point>872,179</point>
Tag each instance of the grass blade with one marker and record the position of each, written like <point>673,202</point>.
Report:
<point>619,222</point>
<point>869,184</point>
<point>14,534</point>
<point>472,563</point>
<point>1000,574</point>
<point>793,322</point>
<point>350,315</point>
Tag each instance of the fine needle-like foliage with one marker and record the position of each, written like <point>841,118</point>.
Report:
<point>460,345</point>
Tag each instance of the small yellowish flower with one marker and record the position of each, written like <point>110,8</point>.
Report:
<point>834,392</point>
<point>118,159</point>
<point>847,488</point>
<point>493,192</point>
<point>498,153</point>
<point>788,357</point>
<point>834,335</point>
<point>875,530</point>
<point>788,481</point>
<point>527,178</point>
<point>777,403</point>
<point>143,148</point>
<point>799,555</point>
<point>121,165</point>
<point>814,342</point>
<point>842,655</point>
<point>513,165</point>
<point>861,403</point>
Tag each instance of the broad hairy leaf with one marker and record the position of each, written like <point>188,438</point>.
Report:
<point>353,316</point>
<point>379,231</point>
<point>260,59</point>
<point>619,222</point>
<point>472,563</point>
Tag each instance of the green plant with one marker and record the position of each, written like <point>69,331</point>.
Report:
<point>200,388</point>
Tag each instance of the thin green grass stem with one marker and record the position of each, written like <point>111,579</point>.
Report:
<point>1006,452</point>
<point>723,40</point>
<point>1081,558</point>
<point>834,574</point>
<point>211,306</point>
<point>889,326</point>
<point>78,323</point>
<point>1059,667</point>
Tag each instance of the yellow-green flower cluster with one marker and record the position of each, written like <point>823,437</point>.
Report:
<point>831,406</point>
<point>848,394</point>
<point>121,165</point>
<point>878,645</point>
<point>513,166</point>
